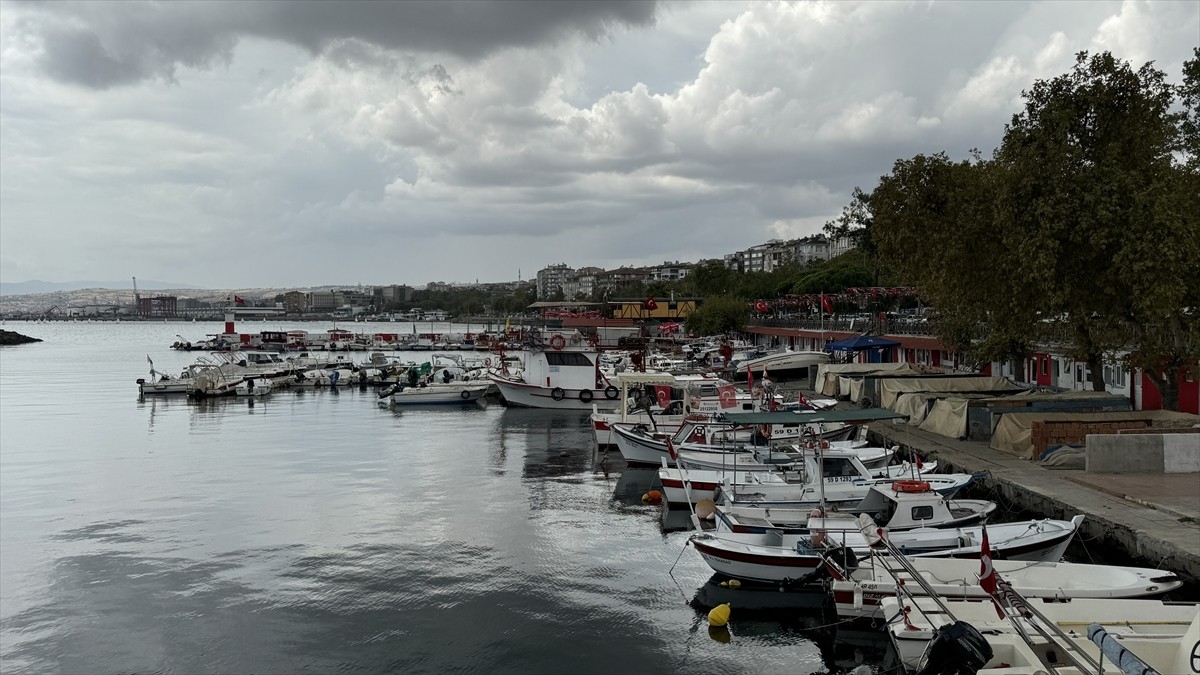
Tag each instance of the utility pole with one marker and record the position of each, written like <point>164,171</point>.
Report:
<point>137,299</point>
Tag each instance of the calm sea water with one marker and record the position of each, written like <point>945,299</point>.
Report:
<point>317,531</point>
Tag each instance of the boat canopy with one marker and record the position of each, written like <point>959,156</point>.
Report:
<point>861,416</point>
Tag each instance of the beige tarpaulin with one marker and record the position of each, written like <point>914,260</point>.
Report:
<point>891,388</point>
<point>828,374</point>
<point>1012,434</point>
<point>947,417</point>
<point>914,405</point>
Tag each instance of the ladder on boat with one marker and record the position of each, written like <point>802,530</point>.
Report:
<point>1025,619</point>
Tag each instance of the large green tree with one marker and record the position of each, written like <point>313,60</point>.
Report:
<point>936,224</point>
<point>1082,227</point>
<point>1095,193</point>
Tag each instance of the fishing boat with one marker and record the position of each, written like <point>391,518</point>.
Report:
<point>786,364</point>
<point>1161,635</point>
<point>681,485</point>
<point>893,506</point>
<point>639,444</point>
<point>858,587</point>
<point>776,557</point>
<point>440,393</point>
<point>561,373</point>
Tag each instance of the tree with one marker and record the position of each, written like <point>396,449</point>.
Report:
<point>937,225</point>
<point>718,315</point>
<point>1100,205</point>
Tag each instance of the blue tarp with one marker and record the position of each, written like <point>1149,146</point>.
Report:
<point>859,343</point>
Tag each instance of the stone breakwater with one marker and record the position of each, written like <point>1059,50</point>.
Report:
<point>8,337</point>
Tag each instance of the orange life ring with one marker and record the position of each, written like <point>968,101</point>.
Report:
<point>910,486</point>
<point>557,341</point>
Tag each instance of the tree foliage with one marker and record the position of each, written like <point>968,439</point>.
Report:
<point>1085,218</point>
<point>718,315</point>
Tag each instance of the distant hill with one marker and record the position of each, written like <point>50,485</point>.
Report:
<point>27,287</point>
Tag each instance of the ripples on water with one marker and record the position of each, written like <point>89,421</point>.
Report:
<point>319,531</point>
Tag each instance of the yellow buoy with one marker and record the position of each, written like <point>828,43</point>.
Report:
<point>719,615</point>
<point>706,509</point>
<point>645,497</point>
<point>724,584</point>
<point>720,634</point>
<point>734,583</point>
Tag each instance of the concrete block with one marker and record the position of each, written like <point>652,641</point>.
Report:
<point>1114,453</point>
<point>1181,453</point>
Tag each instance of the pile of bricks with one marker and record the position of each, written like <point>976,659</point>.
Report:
<point>1047,434</point>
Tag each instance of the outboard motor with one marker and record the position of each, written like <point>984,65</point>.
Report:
<point>956,649</point>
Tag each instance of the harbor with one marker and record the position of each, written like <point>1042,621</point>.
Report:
<point>338,503</point>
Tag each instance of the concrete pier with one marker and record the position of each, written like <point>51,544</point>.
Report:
<point>1153,518</point>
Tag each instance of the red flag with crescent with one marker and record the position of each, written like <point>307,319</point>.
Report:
<point>826,304</point>
<point>988,580</point>
<point>727,396</point>
<point>671,450</point>
<point>662,394</point>
<point>650,303</point>
<point>761,306</point>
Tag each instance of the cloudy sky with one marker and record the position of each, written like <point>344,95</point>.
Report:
<point>242,144</point>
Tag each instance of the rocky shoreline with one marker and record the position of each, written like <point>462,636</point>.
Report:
<point>7,337</point>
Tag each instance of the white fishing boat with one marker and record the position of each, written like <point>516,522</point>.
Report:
<point>563,373</point>
<point>786,364</point>
<point>846,485</point>
<point>776,557</point>
<point>664,410</point>
<point>893,506</point>
<point>681,485</point>
<point>440,394</point>
<point>701,436</point>
<point>858,587</point>
<point>1161,634</point>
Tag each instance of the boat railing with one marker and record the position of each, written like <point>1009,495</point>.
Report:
<point>1025,619</point>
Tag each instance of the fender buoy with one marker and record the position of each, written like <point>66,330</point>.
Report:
<point>557,394</point>
<point>466,394</point>
<point>557,341</point>
<point>610,392</point>
<point>487,363</point>
<point>910,486</point>
<point>585,395</point>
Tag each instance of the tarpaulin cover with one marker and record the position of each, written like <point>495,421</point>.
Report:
<point>1013,431</point>
<point>914,405</point>
<point>826,382</point>
<point>889,389</point>
<point>947,417</point>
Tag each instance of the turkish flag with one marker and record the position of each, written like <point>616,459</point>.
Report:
<point>237,300</point>
<point>650,303</point>
<point>662,394</point>
<point>671,450</point>
<point>827,305</point>
<point>727,396</point>
<point>749,378</point>
<point>761,306</point>
<point>988,580</point>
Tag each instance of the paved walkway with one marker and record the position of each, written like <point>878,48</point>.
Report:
<point>1152,517</point>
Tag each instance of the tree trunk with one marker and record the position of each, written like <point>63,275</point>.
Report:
<point>1167,385</point>
<point>1095,363</point>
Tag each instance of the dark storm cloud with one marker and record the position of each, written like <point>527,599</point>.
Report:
<point>101,45</point>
